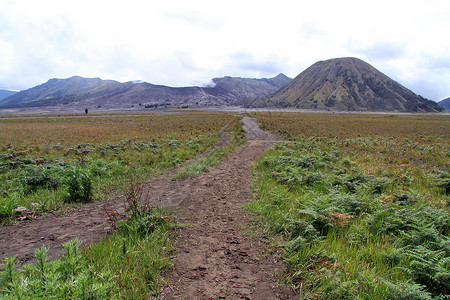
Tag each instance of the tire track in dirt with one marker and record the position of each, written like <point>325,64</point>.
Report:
<point>216,257</point>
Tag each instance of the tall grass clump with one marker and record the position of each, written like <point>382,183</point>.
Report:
<point>79,185</point>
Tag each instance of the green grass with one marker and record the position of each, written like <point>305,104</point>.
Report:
<point>141,263</point>
<point>355,223</point>
<point>49,182</point>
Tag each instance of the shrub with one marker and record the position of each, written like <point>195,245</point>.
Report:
<point>79,185</point>
<point>39,178</point>
<point>445,185</point>
<point>141,217</point>
<point>7,206</point>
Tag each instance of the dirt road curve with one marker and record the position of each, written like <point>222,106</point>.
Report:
<point>218,255</point>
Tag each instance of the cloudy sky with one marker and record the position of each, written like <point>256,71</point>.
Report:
<point>180,43</point>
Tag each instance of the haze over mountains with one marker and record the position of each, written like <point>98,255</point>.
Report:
<point>342,84</point>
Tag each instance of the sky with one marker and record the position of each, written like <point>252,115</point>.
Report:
<point>183,43</point>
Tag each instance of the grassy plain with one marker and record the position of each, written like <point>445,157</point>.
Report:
<point>37,156</point>
<point>362,203</point>
<point>47,162</point>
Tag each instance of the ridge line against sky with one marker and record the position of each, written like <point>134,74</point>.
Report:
<point>183,43</point>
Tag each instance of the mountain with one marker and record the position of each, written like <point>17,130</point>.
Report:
<point>5,93</point>
<point>346,84</point>
<point>87,92</point>
<point>251,88</point>
<point>445,103</point>
<point>60,91</point>
<point>160,95</point>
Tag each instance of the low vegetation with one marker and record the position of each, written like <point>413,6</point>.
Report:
<point>128,264</point>
<point>40,172</point>
<point>46,162</point>
<point>213,158</point>
<point>362,203</point>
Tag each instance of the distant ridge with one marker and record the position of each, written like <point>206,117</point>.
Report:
<point>77,91</point>
<point>60,91</point>
<point>346,84</point>
<point>445,103</point>
<point>6,93</point>
<point>251,88</point>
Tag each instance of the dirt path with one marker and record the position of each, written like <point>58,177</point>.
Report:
<point>218,256</point>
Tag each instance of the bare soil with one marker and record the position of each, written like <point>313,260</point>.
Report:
<point>219,254</point>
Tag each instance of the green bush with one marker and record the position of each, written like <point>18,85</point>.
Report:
<point>445,185</point>
<point>39,178</point>
<point>79,185</point>
<point>7,206</point>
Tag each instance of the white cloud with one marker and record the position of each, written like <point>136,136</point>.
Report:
<point>183,42</point>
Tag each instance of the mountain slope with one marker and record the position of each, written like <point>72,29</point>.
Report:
<point>154,95</point>
<point>5,94</point>
<point>445,103</point>
<point>251,88</point>
<point>83,92</point>
<point>60,91</point>
<point>347,84</point>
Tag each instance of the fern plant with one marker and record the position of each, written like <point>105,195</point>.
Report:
<point>430,268</point>
<point>407,290</point>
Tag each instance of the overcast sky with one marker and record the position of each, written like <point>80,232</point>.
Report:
<point>180,43</point>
